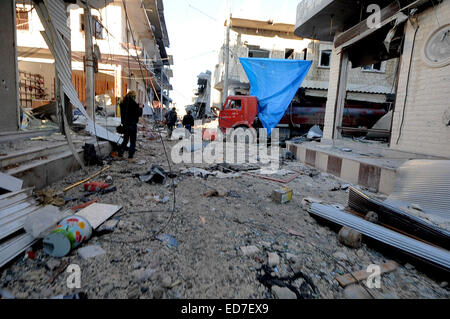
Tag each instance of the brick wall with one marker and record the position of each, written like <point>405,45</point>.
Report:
<point>427,108</point>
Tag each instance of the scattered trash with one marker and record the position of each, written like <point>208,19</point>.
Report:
<point>211,193</point>
<point>249,250</point>
<point>306,290</point>
<point>109,180</point>
<point>155,174</point>
<point>314,132</point>
<point>95,186</point>
<point>168,239</point>
<point>90,251</point>
<point>282,196</point>
<point>69,234</point>
<point>90,155</point>
<point>50,197</point>
<point>286,154</point>
<point>273,259</point>
<point>87,179</point>
<point>85,204</point>
<point>350,237</point>
<point>203,220</point>
<point>348,150</point>
<point>108,226</point>
<point>295,233</point>
<point>233,194</point>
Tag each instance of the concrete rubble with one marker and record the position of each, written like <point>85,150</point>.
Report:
<point>211,246</point>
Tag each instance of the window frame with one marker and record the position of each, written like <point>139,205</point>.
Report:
<point>320,65</point>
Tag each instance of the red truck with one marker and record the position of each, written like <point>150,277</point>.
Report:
<point>242,111</point>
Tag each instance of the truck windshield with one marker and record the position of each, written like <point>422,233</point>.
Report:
<point>233,104</point>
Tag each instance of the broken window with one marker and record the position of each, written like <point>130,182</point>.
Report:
<point>22,18</point>
<point>254,51</point>
<point>373,67</point>
<point>325,58</point>
<point>234,104</point>
<point>97,27</point>
<point>289,54</point>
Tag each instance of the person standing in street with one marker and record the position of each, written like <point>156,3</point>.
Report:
<point>130,113</point>
<point>172,118</point>
<point>188,121</point>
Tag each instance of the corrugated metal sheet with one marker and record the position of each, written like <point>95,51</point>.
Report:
<point>14,209</point>
<point>435,255</point>
<point>57,11</point>
<point>425,183</point>
<point>14,247</point>
<point>401,220</point>
<point>63,68</point>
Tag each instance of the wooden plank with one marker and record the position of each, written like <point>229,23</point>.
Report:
<point>97,214</point>
<point>357,276</point>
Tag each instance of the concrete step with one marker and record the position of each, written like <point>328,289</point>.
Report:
<point>36,153</point>
<point>40,173</point>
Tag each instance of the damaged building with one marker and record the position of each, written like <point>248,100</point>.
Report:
<point>368,94</point>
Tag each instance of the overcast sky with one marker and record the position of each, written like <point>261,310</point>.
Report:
<point>196,33</point>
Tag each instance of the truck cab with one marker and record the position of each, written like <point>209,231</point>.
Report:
<point>238,111</point>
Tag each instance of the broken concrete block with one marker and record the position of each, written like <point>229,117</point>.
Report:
<point>143,274</point>
<point>109,225</point>
<point>273,259</point>
<point>166,281</point>
<point>283,293</point>
<point>249,250</point>
<point>42,221</point>
<point>282,196</point>
<point>90,251</point>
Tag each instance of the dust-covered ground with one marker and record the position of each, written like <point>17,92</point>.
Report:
<point>208,261</point>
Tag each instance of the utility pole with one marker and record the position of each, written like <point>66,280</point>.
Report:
<point>89,63</point>
<point>227,62</point>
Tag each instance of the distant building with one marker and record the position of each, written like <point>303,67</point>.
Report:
<point>202,100</point>
<point>262,39</point>
<point>418,33</point>
<point>118,67</point>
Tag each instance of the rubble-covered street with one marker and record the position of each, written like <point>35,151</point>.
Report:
<point>207,259</point>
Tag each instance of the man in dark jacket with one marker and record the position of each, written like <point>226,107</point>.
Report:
<point>188,121</point>
<point>172,118</point>
<point>130,113</point>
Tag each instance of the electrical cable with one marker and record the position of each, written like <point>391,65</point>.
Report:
<point>407,82</point>
<point>154,236</point>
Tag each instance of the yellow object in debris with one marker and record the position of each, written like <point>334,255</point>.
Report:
<point>87,179</point>
<point>282,196</point>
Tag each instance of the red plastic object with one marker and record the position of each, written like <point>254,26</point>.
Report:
<point>95,186</point>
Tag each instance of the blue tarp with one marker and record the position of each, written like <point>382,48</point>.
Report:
<point>274,82</point>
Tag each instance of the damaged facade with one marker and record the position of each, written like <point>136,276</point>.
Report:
<point>370,87</point>
<point>122,63</point>
<point>412,31</point>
